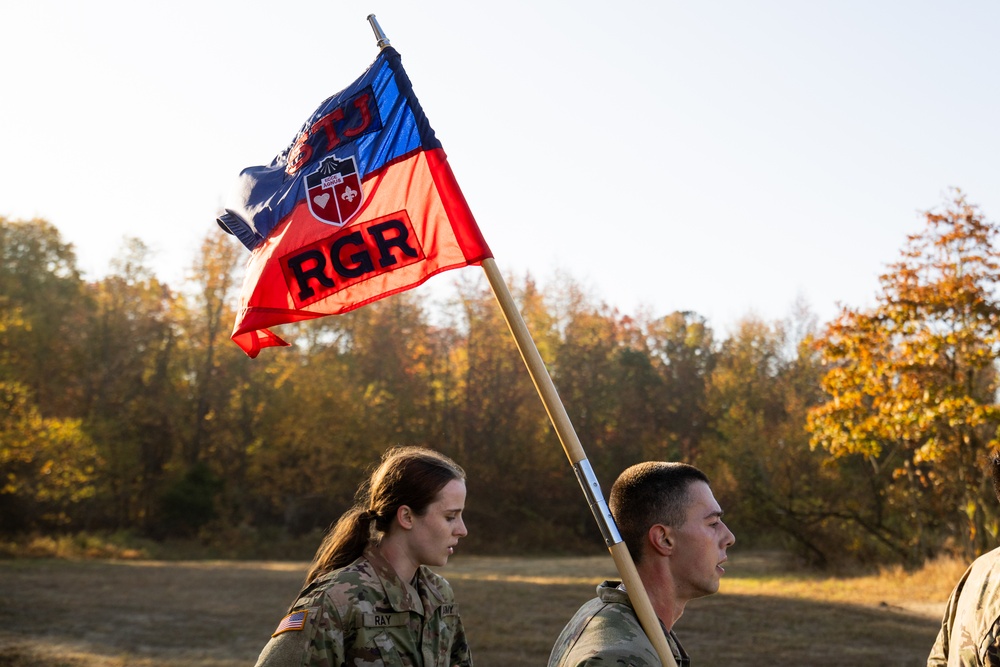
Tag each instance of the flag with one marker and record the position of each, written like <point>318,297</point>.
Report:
<point>294,622</point>
<point>362,204</point>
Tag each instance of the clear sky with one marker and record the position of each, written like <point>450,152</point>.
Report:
<point>725,157</point>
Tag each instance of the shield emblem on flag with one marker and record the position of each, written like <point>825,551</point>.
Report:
<point>334,191</point>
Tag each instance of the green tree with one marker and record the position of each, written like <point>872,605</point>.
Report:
<point>912,383</point>
<point>42,307</point>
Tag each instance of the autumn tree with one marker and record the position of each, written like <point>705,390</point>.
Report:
<point>585,370</point>
<point>215,278</point>
<point>682,351</point>
<point>352,386</point>
<point>42,304</point>
<point>131,402</point>
<point>783,492</point>
<point>47,462</point>
<point>912,384</point>
<point>224,421</point>
<point>504,438</point>
<point>47,466</point>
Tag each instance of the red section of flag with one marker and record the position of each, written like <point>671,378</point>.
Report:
<point>414,223</point>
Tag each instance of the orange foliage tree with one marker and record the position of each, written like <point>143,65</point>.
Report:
<point>912,384</point>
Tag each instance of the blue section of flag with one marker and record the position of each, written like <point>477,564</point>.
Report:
<point>394,127</point>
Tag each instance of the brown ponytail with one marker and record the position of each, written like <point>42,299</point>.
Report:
<point>410,476</point>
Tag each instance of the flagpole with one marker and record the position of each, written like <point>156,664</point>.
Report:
<point>571,445</point>
<point>578,459</point>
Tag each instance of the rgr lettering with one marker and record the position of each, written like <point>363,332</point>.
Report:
<point>350,256</point>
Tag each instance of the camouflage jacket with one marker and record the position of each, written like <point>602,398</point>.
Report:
<point>970,629</point>
<point>606,631</point>
<point>363,616</point>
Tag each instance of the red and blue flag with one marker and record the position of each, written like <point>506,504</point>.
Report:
<point>362,204</point>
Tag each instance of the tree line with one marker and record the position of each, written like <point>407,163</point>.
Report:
<point>124,406</point>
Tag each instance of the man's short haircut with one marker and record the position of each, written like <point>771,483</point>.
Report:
<point>650,493</point>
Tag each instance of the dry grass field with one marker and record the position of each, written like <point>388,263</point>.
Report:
<point>90,613</point>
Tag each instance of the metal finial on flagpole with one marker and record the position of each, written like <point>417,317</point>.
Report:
<point>383,41</point>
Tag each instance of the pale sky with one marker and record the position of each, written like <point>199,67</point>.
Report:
<point>725,157</point>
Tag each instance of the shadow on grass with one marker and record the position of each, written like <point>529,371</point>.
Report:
<point>112,614</point>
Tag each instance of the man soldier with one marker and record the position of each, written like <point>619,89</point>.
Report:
<point>672,526</point>
<point>970,629</point>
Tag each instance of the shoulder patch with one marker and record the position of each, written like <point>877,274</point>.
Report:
<point>292,623</point>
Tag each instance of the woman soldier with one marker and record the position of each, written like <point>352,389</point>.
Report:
<point>369,598</point>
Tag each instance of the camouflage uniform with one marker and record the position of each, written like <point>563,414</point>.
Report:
<point>362,616</point>
<point>606,631</point>
<point>970,629</point>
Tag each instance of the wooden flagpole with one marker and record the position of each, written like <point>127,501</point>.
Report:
<point>571,445</point>
<point>578,459</point>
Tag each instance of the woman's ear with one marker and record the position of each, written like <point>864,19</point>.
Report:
<point>404,515</point>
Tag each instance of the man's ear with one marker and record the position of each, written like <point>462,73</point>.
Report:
<point>661,539</point>
<point>404,515</point>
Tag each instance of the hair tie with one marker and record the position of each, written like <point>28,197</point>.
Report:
<point>369,515</point>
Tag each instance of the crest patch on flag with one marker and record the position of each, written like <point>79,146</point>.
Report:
<point>292,623</point>
<point>334,192</point>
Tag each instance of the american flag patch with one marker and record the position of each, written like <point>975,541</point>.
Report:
<point>293,622</point>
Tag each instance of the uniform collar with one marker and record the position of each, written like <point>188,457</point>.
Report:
<point>395,591</point>
<point>614,592</point>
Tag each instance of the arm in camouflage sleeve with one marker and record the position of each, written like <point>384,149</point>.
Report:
<point>327,647</point>
<point>319,642</point>
<point>939,652</point>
